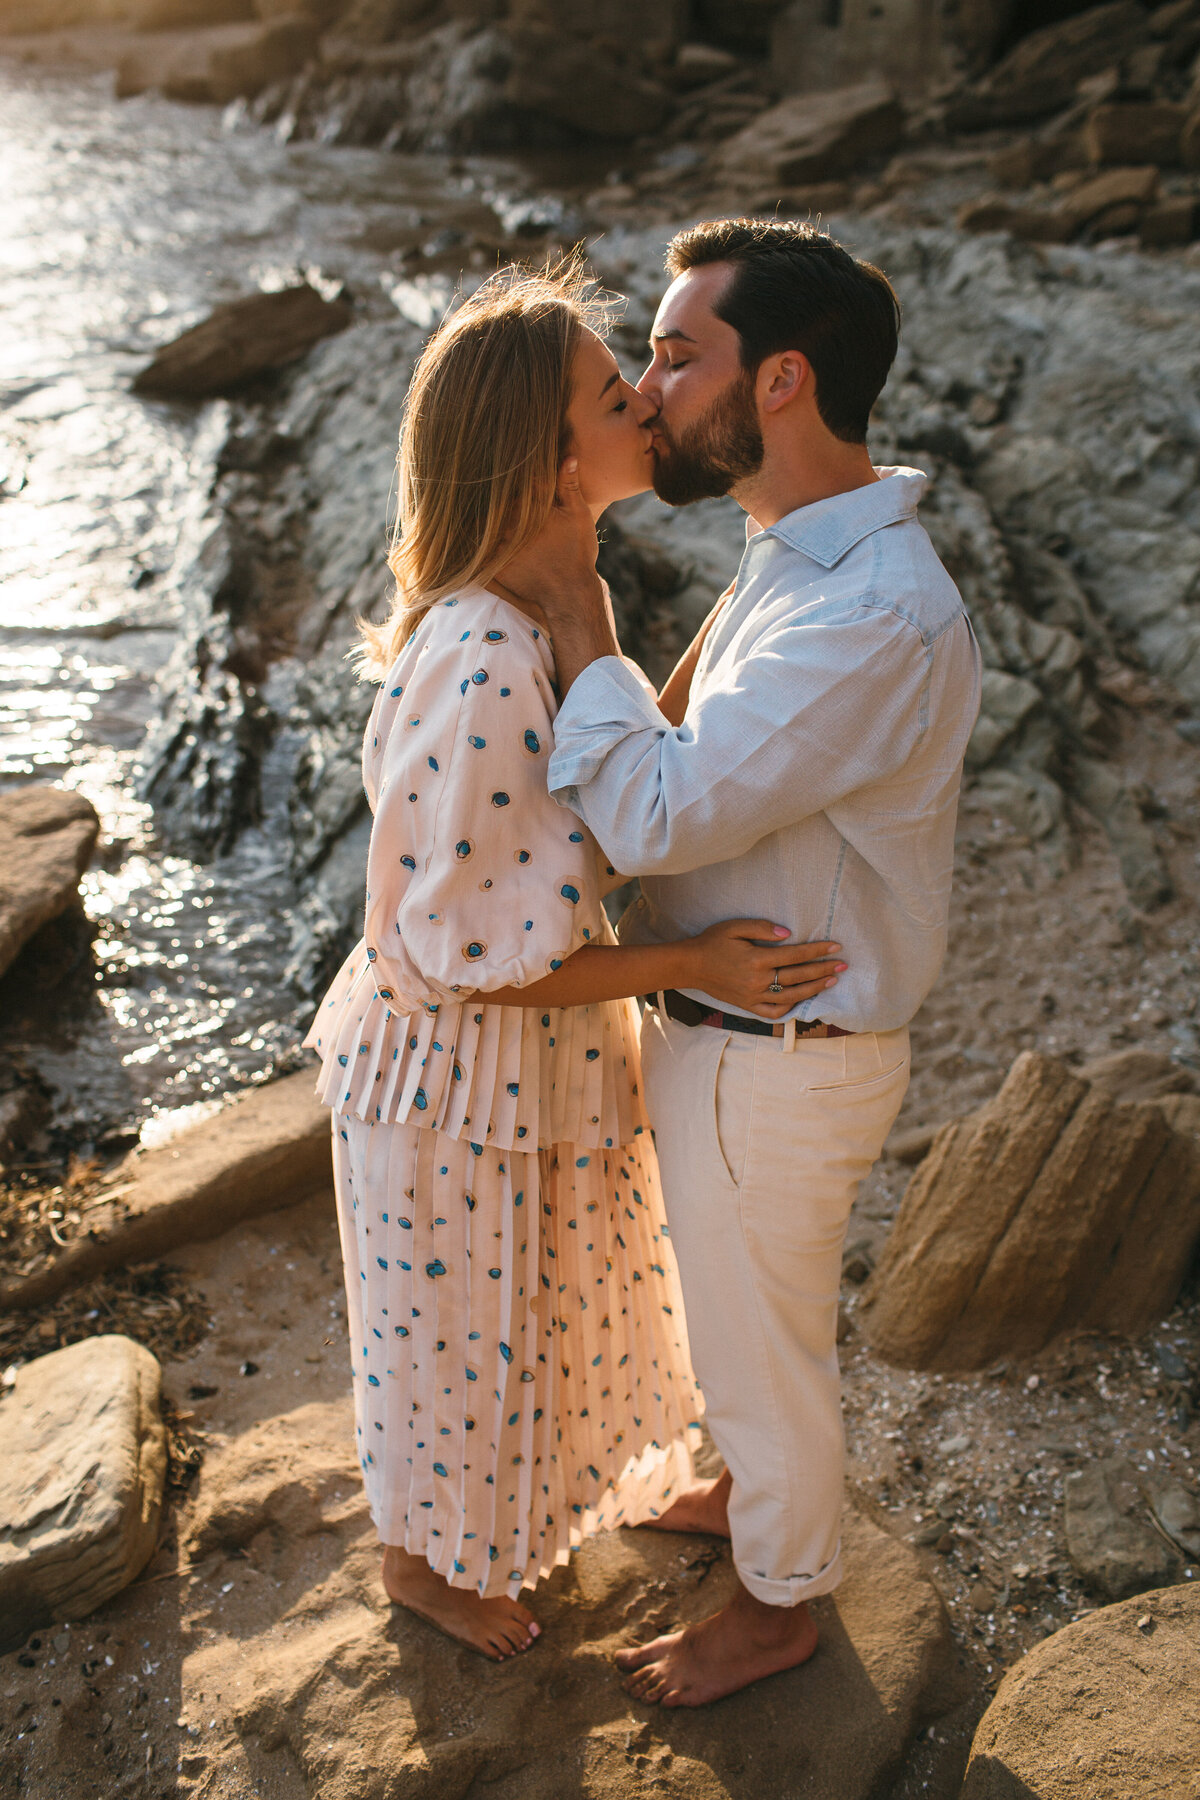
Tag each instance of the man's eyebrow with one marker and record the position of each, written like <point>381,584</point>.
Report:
<point>667,337</point>
<point>615,376</point>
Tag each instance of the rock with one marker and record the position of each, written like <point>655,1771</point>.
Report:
<point>912,1144</point>
<point>47,836</point>
<point>1033,224</point>
<point>81,1481</point>
<point>1005,702</point>
<point>816,47</point>
<point>239,340</point>
<point>582,86</point>
<point>1182,1112</point>
<point>816,137</point>
<point>1041,73</point>
<point>215,66</point>
<point>1130,1075</point>
<point>1048,1210</point>
<point>1037,158</point>
<point>1189,142</point>
<point>1137,187</point>
<point>266,1148</point>
<point>1146,132</point>
<point>1171,223</point>
<point>698,64</point>
<point>305,1621</point>
<point>1115,806</point>
<point>1108,1708</point>
<point>1111,1538</point>
<point>1177,1511</point>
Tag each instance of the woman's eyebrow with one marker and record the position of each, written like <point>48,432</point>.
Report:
<point>615,376</point>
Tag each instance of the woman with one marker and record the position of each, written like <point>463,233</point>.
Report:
<point>521,1366</point>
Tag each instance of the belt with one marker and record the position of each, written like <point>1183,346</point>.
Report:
<point>690,1012</point>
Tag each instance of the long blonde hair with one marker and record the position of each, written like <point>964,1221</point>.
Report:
<point>483,434</point>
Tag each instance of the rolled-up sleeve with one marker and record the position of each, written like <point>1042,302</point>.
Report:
<point>806,715</point>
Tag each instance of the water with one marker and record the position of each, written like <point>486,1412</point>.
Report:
<point>121,224</point>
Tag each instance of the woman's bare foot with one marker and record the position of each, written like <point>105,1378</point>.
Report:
<point>704,1507</point>
<point>720,1655</point>
<point>496,1628</point>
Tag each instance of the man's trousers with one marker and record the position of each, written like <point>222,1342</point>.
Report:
<point>762,1143</point>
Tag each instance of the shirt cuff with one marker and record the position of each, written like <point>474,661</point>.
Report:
<point>607,703</point>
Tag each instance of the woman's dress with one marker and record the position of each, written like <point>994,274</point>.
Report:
<point>521,1370</point>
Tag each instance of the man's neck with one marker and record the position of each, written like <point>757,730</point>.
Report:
<point>784,484</point>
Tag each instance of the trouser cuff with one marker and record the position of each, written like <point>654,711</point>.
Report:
<point>790,1590</point>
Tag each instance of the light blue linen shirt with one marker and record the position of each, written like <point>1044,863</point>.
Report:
<point>814,780</point>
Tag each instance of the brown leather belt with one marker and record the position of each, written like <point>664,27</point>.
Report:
<point>690,1012</point>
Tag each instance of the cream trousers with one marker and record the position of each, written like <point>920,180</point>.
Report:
<point>762,1143</point>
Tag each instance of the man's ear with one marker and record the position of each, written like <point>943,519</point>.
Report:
<point>783,379</point>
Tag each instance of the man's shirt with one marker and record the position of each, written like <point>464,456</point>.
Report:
<point>814,781</point>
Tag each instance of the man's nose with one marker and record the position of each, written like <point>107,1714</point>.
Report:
<point>646,405</point>
<point>648,386</point>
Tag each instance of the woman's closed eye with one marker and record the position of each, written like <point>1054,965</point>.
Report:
<point>621,406</point>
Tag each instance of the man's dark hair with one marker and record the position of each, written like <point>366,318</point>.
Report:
<point>794,288</point>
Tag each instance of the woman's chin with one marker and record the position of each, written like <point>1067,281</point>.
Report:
<point>639,483</point>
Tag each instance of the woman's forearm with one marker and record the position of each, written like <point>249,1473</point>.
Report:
<point>603,972</point>
<point>673,701</point>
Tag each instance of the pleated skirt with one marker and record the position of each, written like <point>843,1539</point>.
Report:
<point>521,1369</point>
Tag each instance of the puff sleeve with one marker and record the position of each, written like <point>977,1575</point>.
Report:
<point>476,878</point>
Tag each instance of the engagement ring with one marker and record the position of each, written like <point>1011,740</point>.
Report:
<point>776,986</point>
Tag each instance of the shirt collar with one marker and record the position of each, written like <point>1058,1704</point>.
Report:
<point>828,529</point>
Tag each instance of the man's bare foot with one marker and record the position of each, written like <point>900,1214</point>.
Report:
<point>704,1507</point>
<point>496,1628</point>
<point>720,1655</point>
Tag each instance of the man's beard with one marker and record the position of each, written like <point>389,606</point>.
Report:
<point>722,447</point>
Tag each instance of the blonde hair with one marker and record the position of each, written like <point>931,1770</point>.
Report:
<point>483,434</point>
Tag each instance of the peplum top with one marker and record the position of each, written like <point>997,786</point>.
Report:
<point>476,880</point>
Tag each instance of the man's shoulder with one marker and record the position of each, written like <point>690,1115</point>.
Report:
<point>893,576</point>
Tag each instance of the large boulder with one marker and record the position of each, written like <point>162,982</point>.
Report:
<point>1108,1708</point>
<point>264,1149</point>
<point>215,66</point>
<point>1136,132</point>
<point>812,137</point>
<point>47,836</point>
<point>1050,1209</point>
<point>239,340</point>
<point>81,1481</point>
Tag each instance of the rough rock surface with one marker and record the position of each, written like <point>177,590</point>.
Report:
<point>266,1148</point>
<point>81,1481</point>
<point>46,840</point>
<point>813,137</point>
<point>1050,1209</point>
<point>214,66</point>
<point>1111,1535</point>
<point>239,340</point>
<point>1041,73</point>
<point>1108,1708</point>
<point>555,1720</point>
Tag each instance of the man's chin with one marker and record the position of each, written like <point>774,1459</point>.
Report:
<point>679,489</point>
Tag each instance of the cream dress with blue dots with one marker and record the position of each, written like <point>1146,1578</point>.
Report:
<point>521,1368</point>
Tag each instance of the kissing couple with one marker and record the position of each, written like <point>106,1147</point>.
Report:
<point>521,1254</point>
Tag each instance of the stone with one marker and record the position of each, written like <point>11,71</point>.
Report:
<point>240,340</point>
<point>1182,1112</point>
<point>284,1499</point>
<point>1108,1708</point>
<point>698,64</point>
<point>47,836</point>
<point>1041,73</point>
<point>816,137</point>
<point>816,46</point>
<point>215,66</point>
<point>1034,224</point>
<point>1050,1209</point>
<point>1005,702</point>
<point>81,1481</point>
<point>1174,221</point>
<point>1142,132</point>
<point>1111,1537</point>
<point>265,1148</point>
<point>1189,142</point>
<point>1177,1511</point>
<point>1115,806</point>
<point>1136,186</point>
<point>583,87</point>
<point>1030,159</point>
<point>1137,1074</point>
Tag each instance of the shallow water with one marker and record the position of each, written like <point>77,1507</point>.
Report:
<point>120,225</point>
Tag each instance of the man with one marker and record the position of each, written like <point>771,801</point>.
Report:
<point>813,778</point>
